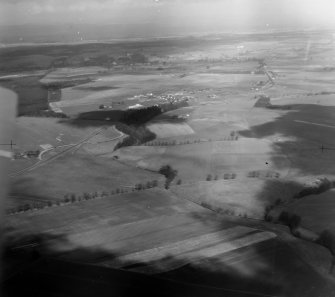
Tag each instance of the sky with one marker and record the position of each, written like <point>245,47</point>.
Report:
<point>226,14</point>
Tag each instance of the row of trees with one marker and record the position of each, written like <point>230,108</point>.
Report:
<point>254,174</point>
<point>225,176</point>
<point>171,143</point>
<point>148,185</point>
<point>227,211</point>
<point>72,197</point>
<point>33,206</point>
<point>289,219</point>
<point>185,142</point>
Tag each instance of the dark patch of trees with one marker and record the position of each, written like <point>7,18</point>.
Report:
<point>291,220</point>
<point>327,239</point>
<point>169,174</point>
<point>131,121</point>
<point>136,135</point>
<point>135,117</point>
<point>140,116</point>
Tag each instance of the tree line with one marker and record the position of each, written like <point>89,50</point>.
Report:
<point>255,174</point>
<point>211,177</point>
<point>186,142</point>
<point>72,197</point>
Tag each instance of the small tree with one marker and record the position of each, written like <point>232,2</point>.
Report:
<point>295,221</point>
<point>179,182</point>
<point>73,198</point>
<point>327,239</point>
<point>154,183</point>
<point>209,177</point>
<point>278,201</point>
<point>284,217</point>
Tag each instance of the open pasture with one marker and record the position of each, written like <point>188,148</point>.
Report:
<point>196,160</point>
<point>78,172</point>
<point>246,197</point>
<point>32,132</point>
<point>164,130</point>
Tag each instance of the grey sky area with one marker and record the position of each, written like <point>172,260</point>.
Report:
<point>220,13</point>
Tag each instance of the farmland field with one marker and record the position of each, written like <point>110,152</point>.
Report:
<point>154,232</point>
<point>167,156</point>
<point>95,175</point>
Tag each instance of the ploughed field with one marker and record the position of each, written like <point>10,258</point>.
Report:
<point>153,232</point>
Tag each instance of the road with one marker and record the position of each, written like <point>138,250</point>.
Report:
<point>43,162</point>
<point>71,147</point>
